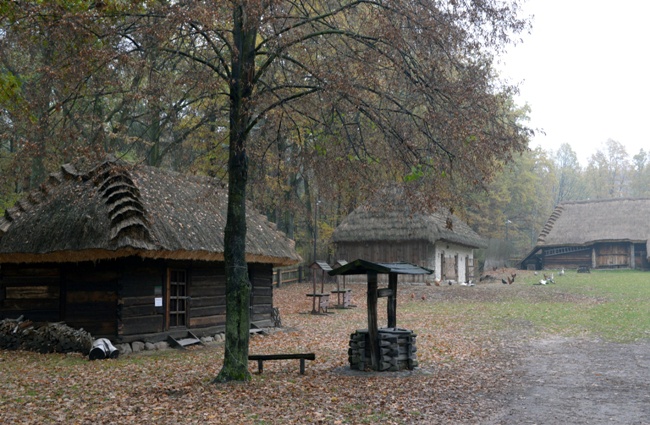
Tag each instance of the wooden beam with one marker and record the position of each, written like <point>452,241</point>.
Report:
<point>372,320</point>
<point>391,305</point>
<point>384,292</point>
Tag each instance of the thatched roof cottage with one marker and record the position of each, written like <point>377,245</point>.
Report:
<point>438,241</point>
<point>130,252</point>
<point>601,234</point>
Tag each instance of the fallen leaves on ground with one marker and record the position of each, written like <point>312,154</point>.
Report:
<point>460,377</point>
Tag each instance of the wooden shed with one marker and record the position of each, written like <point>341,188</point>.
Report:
<point>601,234</point>
<point>130,253</point>
<point>438,241</point>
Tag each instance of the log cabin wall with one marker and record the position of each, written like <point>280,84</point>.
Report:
<point>140,283</point>
<point>419,252</point>
<point>261,276</point>
<point>570,260</point>
<point>89,297</point>
<point>601,256</point>
<point>121,299</point>
<point>208,292</point>
<point>416,252</point>
<point>613,255</point>
<point>641,256</point>
<point>33,291</point>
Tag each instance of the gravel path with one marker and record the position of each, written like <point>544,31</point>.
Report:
<point>574,381</point>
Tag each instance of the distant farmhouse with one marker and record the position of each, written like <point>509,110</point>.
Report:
<point>130,253</point>
<point>602,234</point>
<point>437,241</point>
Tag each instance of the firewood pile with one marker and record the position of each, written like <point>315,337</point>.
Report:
<point>396,348</point>
<point>21,334</point>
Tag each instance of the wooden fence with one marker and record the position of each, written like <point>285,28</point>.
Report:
<point>291,274</point>
<point>297,274</point>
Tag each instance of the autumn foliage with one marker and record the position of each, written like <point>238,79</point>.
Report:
<point>458,381</point>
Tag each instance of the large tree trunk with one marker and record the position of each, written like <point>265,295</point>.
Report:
<point>238,287</point>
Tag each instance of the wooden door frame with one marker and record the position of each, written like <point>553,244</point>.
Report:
<point>186,297</point>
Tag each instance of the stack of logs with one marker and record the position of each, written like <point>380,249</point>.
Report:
<point>396,348</point>
<point>21,334</point>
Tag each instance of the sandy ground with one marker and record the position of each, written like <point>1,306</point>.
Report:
<point>573,381</point>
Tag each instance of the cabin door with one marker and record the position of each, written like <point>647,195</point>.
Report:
<point>177,299</point>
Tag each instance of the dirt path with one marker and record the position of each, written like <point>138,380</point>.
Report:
<point>572,381</point>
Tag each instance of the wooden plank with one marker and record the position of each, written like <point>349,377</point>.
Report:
<point>307,356</point>
<point>137,301</point>
<point>208,291</point>
<point>140,325</point>
<point>197,301</point>
<point>207,311</point>
<point>265,300</point>
<point>78,297</point>
<point>391,304</point>
<point>90,276</point>
<point>259,291</point>
<point>139,310</point>
<point>32,292</point>
<point>372,319</point>
<point>384,292</point>
<point>198,322</point>
<point>34,315</point>
<point>262,309</point>
<point>31,304</point>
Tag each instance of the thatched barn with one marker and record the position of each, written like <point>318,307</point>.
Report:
<point>601,234</point>
<point>130,253</point>
<point>438,241</point>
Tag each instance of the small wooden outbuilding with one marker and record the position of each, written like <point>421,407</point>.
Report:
<point>600,234</point>
<point>130,252</point>
<point>439,241</point>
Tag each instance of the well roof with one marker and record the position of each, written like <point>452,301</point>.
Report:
<point>363,267</point>
<point>115,209</point>
<point>399,225</point>
<point>585,222</point>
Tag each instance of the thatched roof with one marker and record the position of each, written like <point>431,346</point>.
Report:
<point>398,225</point>
<point>116,210</point>
<point>585,222</point>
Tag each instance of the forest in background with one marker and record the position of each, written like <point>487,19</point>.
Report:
<point>145,103</point>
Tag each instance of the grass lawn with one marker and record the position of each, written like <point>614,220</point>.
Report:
<point>467,341</point>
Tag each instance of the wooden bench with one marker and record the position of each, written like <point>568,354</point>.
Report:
<point>263,357</point>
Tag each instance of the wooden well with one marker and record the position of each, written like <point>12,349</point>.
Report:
<point>373,346</point>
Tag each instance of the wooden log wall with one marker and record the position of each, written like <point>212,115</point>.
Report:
<point>116,299</point>
<point>261,276</point>
<point>139,284</point>
<point>89,295</point>
<point>208,290</point>
<point>32,291</point>
<point>641,257</point>
<point>417,252</point>
<point>571,260</point>
<point>613,255</point>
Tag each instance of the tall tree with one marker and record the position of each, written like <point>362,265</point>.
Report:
<point>517,203</point>
<point>570,185</point>
<point>640,175</point>
<point>608,171</point>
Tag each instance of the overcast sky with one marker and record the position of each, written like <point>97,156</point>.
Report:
<point>584,71</point>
